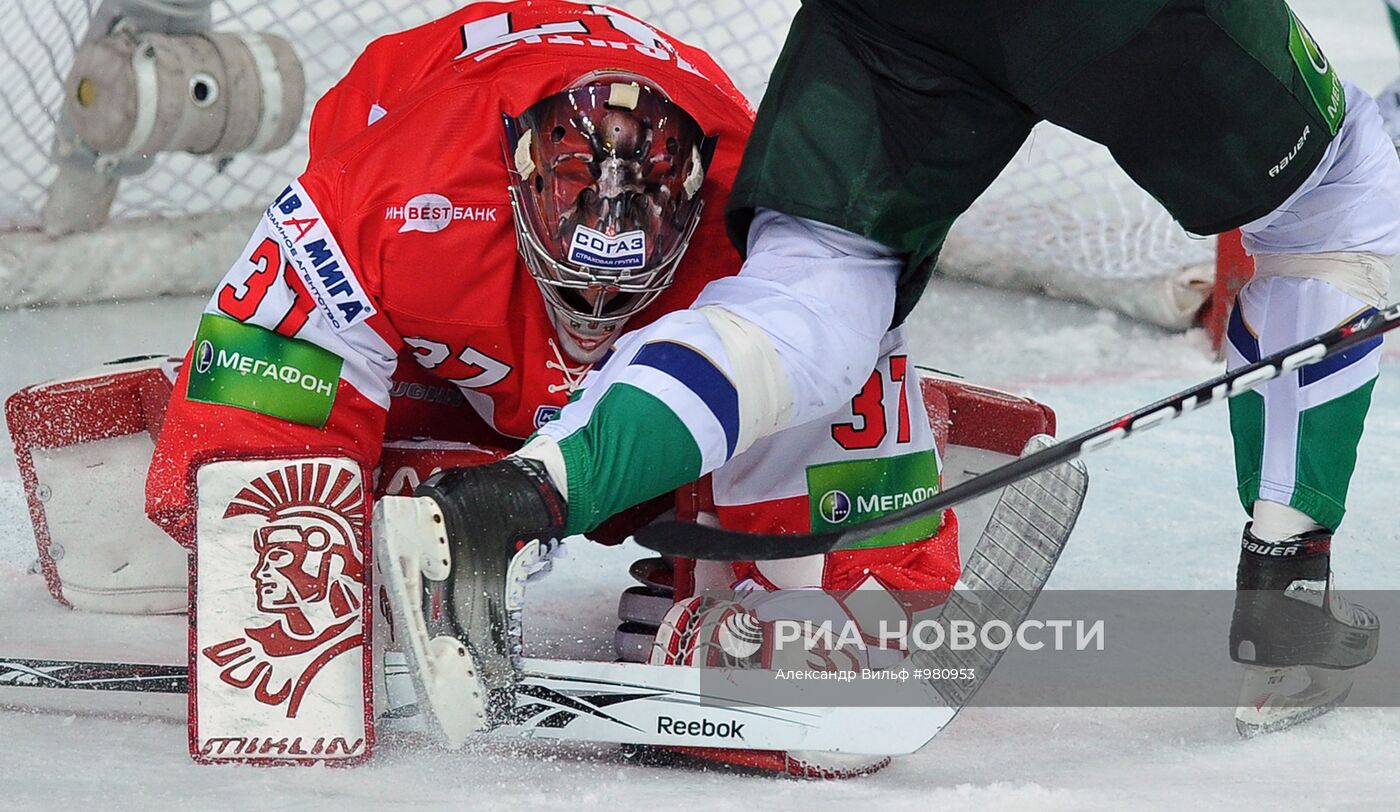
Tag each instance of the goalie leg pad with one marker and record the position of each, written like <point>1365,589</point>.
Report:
<point>280,671</point>
<point>82,445</point>
<point>714,632</point>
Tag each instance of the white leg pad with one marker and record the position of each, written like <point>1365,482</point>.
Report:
<point>279,668</point>
<point>82,446</point>
<point>107,556</point>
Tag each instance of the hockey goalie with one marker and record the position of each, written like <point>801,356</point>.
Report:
<point>492,203</point>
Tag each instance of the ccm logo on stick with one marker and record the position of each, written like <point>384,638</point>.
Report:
<point>704,727</point>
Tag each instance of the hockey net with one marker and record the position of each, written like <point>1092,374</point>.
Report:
<point>1062,218</point>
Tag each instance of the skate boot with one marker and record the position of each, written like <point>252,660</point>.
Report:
<point>1298,638</point>
<point>456,557</point>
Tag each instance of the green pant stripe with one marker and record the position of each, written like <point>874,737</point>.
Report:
<point>1247,428</point>
<point>1328,436</point>
<point>632,426</point>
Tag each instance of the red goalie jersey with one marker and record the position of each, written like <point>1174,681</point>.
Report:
<point>389,273</point>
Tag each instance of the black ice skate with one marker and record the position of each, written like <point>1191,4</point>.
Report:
<point>1299,639</point>
<point>456,556</point>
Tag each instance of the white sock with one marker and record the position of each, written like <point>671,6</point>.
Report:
<point>545,450</point>
<point>1275,522</point>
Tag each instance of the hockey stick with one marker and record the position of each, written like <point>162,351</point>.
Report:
<point>578,700</point>
<point>700,541</point>
<point>670,705</point>
<point>746,708</point>
<point>1000,581</point>
<point>91,676</point>
<point>593,701</point>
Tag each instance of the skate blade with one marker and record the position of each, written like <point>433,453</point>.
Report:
<point>410,540</point>
<point>395,694</point>
<point>1276,699</point>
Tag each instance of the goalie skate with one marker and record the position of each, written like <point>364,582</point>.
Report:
<point>411,540</point>
<point>458,557</point>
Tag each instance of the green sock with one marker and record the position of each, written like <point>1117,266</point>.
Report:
<point>1328,437</point>
<point>632,448</point>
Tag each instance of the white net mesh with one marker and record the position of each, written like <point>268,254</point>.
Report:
<point>1061,214</point>
<point>327,35</point>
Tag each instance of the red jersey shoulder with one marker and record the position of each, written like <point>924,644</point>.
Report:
<point>383,74</point>
<point>421,196</point>
<point>419,199</point>
<point>479,36</point>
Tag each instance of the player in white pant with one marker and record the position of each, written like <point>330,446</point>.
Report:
<point>1321,259</point>
<point>795,326</point>
<point>795,333</point>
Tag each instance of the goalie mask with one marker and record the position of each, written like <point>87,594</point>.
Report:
<point>605,196</point>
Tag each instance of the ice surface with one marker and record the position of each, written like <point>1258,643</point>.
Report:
<point>1161,513</point>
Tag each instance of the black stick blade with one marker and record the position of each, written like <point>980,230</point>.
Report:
<point>692,540</point>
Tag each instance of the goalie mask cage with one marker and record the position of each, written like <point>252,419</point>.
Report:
<point>1061,218</point>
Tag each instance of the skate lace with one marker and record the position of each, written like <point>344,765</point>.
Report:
<point>573,375</point>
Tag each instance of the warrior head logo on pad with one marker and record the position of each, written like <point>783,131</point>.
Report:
<point>309,578</point>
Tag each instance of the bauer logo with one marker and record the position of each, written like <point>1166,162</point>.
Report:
<point>835,506</point>
<point>204,357</point>
<point>594,249</point>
